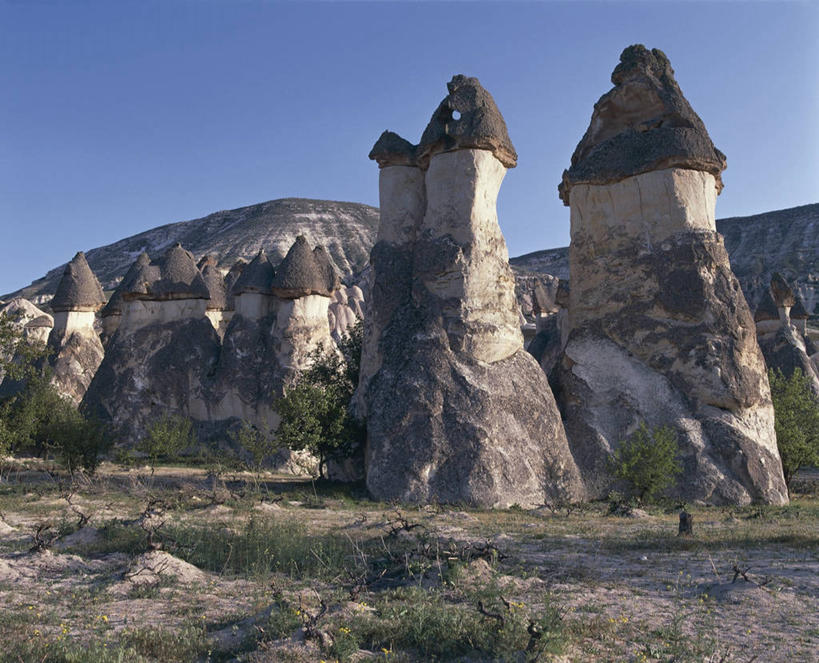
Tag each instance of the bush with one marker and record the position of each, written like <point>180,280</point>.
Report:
<point>167,437</point>
<point>648,461</point>
<point>315,411</point>
<point>796,413</point>
<point>76,441</point>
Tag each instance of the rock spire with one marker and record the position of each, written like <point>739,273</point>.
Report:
<point>659,330</point>
<point>456,410</point>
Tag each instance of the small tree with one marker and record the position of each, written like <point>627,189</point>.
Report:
<point>315,411</point>
<point>77,442</point>
<point>167,437</point>
<point>648,461</point>
<point>258,443</point>
<point>796,420</point>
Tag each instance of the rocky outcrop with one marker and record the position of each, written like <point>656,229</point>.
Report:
<point>659,330</point>
<point>36,324</point>
<point>163,351</point>
<point>75,350</point>
<point>780,329</point>
<point>456,410</point>
<point>280,319</point>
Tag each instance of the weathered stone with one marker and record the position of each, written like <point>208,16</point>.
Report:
<point>159,370</point>
<point>75,349</point>
<point>299,274</point>
<point>659,329</point>
<point>78,289</point>
<point>643,124</point>
<point>477,125</point>
<point>456,410</point>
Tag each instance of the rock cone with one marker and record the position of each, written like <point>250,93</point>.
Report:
<point>659,330</point>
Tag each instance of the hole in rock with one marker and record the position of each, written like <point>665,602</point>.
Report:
<point>456,115</point>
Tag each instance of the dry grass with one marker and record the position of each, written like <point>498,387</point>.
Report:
<point>296,572</point>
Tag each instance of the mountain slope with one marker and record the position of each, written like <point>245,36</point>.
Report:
<point>347,230</point>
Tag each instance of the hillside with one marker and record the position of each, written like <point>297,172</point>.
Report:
<point>347,230</point>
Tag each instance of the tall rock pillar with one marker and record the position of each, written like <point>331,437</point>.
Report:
<point>659,329</point>
<point>75,348</point>
<point>456,410</point>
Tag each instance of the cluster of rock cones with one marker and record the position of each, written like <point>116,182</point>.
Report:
<point>654,329</point>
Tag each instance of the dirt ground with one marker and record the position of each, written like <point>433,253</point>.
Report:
<point>182,566</point>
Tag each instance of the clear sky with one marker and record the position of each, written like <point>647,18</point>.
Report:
<point>116,117</point>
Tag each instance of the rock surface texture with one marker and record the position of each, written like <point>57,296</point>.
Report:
<point>659,330</point>
<point>779,327</point>
<point>74,346</point>
<point>163,350</point>
<point>456,410</point>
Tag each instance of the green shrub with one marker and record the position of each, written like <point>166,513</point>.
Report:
<point>167,437</point>
<point>259,444</point>
<point>77,442</point>
<point>648,461</point>
<point>315,411</point>
<point>796,413</point>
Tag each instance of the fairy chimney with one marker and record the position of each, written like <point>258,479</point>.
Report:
<point>456,410</point>
<point>659,330</point>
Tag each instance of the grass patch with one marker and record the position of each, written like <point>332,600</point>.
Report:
<point>260,547</point>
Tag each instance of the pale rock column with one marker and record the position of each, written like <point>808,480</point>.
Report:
<point>469,272</point>
<point>456,410</point>
<point>659,330</point>
<point>402,200</point>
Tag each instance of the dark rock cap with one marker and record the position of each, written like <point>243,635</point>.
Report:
<point>255,277</point>
<point>40,321</point>
<point>322,258</point>
<point>114,305</point>
<point>175,276</point>
<point>644,123</point>
<point>799,312</point>
<point>78,289</point>
<point>767,309</point>
<point>781,291</point>
<point>216,287</point>
<point>392,150</point>
<point>300,274</point>
<point>480,124</point>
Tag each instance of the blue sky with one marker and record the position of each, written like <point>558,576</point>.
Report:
<point>116,117</point>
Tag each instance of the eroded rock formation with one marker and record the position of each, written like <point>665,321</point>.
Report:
<point>780,326</point>
<point>75,350</point>
<point>163,350</point>
<point>456,410</point>
<point>659,329</point>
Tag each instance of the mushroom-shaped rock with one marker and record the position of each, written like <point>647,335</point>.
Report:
<point>392,150</point>
<point>216,287</point>
<point>456,410</point>
<point>78,289</point>
<point>255,277</point>
<point>659,332</point>
<point>299,274</point>
<point>179,278</point>
<point>322,258</point>
<point>767,309</point>
<point>115,303</point>
<point>781,291</point>
<point>643,124</point>
<point>467,118</point>
<point>799,312</point>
